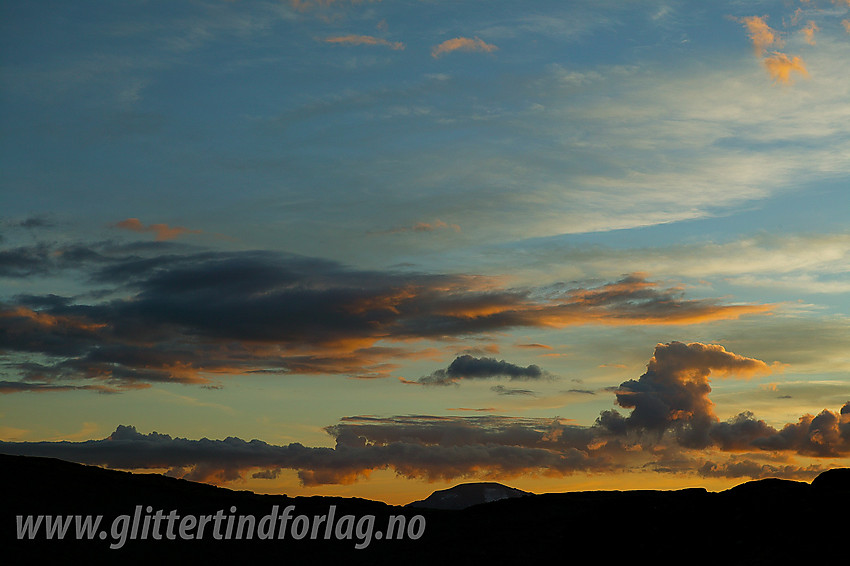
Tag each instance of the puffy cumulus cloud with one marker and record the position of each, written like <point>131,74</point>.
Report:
<point>673,397</point>
<point>162,231</point>
<point>780,67</point>
<point>462,44</point>
<point>468,367</point>
<point>740,433</point>
<point>824,435</point>
<point>674,391</point>
<point>169,313</point>
<point>364,40</point>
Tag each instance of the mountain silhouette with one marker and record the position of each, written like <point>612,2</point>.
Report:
<point>466,495</point>
<point>769,521</point>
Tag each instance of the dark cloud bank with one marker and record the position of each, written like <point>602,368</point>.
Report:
<point>167,312</point>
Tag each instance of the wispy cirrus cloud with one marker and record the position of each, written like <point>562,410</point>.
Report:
<point>420,227</point>
<point>364,40</point>
<point>502,390</point>
<point>811,262</point>
<point>162,231</point>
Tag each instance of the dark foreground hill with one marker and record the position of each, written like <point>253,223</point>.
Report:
<point>466,495</point>
<point>768,521</point>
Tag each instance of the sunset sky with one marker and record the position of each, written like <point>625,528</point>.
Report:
<point>378,248</point>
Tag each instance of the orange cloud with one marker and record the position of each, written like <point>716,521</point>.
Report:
<point>761,34</point>
<point>462,44</point>
<point>162,231</point>
<point>49,321</point>
<point>846,24</point>
<point>364,40</point>
<point>809,32</point>
<point>780,67</point>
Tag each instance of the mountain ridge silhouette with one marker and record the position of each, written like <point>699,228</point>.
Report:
<point>768,521</point>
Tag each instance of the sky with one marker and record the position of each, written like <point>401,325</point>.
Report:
<point>378,248</point>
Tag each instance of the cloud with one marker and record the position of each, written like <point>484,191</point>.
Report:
<point>780,67</point>
<point>468,367</point>
<point>745,468</point>
<point>304,5</point>
<point>7,387</point>
<point>24,261</point>
<point>673,393</point>
<point>846,24</point>
<point>162,231</point>
<point>761,34</point>
<point>462,44</point>
<point>672,428</point>
<point>798,261</point>
<point>364,40</point>
<point>502,390</point>
<point>809,32</point>
<point>36,222</point>
<point>226,460</point>
<point>826,434</point>
<point>328,2</point>
<point>169,313</point>
<point>420,227</point>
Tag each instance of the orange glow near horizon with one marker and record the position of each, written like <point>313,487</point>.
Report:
<point>387,487</point>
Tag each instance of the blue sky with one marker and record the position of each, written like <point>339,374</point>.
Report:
<point>262,219</point>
